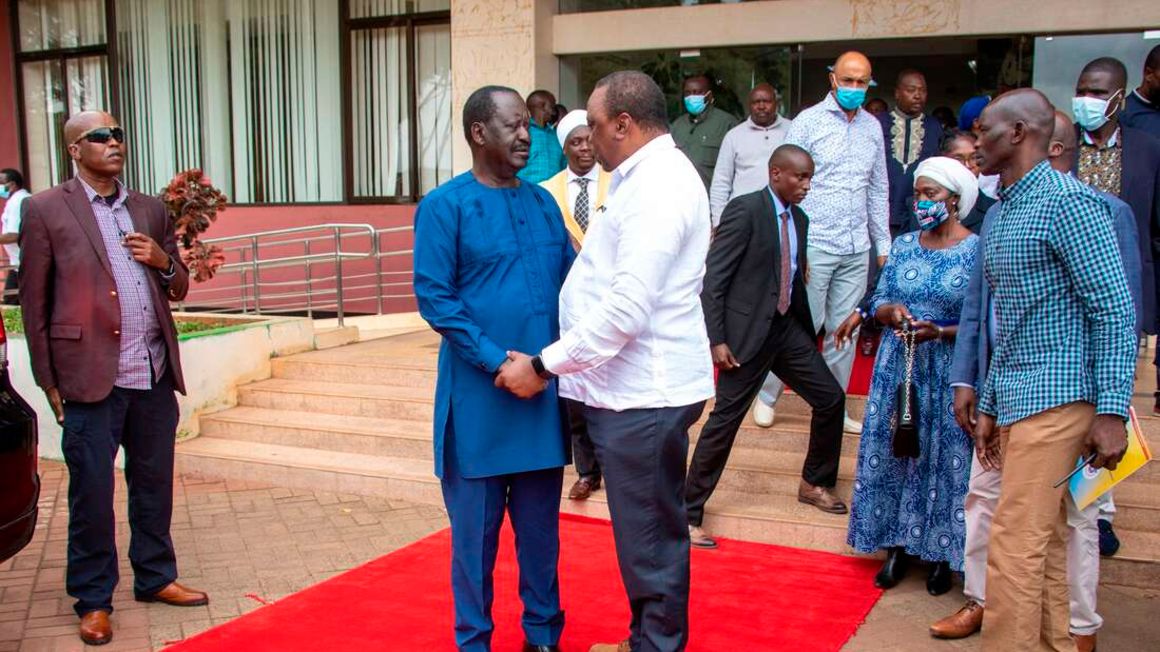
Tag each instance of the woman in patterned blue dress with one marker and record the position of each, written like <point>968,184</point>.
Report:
<point>913,507</point>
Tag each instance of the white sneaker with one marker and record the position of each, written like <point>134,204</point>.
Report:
<point>851,426</point>
<point>763,414</point>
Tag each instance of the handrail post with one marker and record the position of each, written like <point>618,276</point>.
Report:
<point>338,271</point>
<point>309,283</point>
<point>257,285</point>
<point>378,254</point>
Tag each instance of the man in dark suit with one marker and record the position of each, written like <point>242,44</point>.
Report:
<point>759,322</point>
<point>95,291</point>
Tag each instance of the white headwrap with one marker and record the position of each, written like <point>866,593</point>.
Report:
<point>954,176</point>
<point>577,118</point>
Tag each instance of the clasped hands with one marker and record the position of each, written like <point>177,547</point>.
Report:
<point>517,376</point>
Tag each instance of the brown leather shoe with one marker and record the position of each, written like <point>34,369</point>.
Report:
<point>960,624</point>
<point>622,646</point>
<point>1085,642</point>
<point>176,595</point>
<point>820,497</point>
<point>95,628</point>
<point>698,538</point>
<point>584,488</point>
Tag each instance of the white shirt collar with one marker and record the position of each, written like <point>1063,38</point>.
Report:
<point>658,144</point>
<point>593,174</point>
<point>1087,138</point>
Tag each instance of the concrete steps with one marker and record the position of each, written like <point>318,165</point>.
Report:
<point>357,419</point>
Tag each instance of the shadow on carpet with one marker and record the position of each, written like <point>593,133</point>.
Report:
<point>745,596</point>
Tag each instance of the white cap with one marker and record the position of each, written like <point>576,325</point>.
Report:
<point>574,119</point>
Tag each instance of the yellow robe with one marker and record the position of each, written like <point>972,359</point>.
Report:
<point>557,186</point>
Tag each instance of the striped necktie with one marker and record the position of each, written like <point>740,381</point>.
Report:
<point>783,278</point>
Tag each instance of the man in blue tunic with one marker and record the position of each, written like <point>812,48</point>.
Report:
<point>491,254</point>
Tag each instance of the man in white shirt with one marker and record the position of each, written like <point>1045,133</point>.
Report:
<point>12,189</point>
<point>634,348</point>
<point>848,208</point>
<point>742,165</point>
<point>579,190</point>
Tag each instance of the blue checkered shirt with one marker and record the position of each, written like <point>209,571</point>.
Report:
<point>142,343</point>
<point>546,158</point>
<point>1064,310</point>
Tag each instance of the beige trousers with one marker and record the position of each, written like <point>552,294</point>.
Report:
<point>1083,549</point>
<point>1027,596</point>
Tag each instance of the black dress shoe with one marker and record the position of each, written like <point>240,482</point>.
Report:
<point>528,647</point>
<point>893,570</point>
<point>939,580</point>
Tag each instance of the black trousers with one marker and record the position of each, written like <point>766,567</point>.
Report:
<point>583,452</point>
<point>144,422</point>
<point>642,453</point>
<point>792,355</point>
<point>12,288</point>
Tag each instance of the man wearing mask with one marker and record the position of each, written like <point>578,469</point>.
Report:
<point>1124,162</point>
<point>911,137</point>
<point>1143,106</point>
<point>741,165</point>
<point>700,131</point>
<point>849,212</point>
<point>545,157</point>
<point>12,190</point>
<point>579,190</point>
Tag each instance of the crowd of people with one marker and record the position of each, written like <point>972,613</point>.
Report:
<point>1007,261</point>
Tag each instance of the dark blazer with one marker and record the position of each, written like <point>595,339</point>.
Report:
<point>72,318</point>
<point>1140,190</point>
<point>741,277</point>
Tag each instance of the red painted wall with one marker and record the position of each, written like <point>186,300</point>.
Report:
<point>9,126</point>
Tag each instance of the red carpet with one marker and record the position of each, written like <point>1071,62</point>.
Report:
<point>745,596</point>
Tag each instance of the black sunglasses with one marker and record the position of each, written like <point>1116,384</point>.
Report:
<point>102,135</point>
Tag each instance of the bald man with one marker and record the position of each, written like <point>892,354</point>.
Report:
<point>972,358</point>
<point>742,164</point>
<point>1062,370</point>
<point>849,211</point>
<point>100,266</point>
<point>911,137</point>
<point>545,155</point>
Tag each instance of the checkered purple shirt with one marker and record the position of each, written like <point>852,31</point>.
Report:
<point>141,339</point>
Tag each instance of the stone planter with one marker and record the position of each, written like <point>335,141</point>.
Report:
<point>215,362</point>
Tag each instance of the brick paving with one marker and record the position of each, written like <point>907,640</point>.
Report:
<point>247,543</point>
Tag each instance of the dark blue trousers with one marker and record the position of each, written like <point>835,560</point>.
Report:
<point>476,507</point>
<point>144,422</point>
<point>642,454</point>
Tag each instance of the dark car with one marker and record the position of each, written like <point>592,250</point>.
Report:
<point>19,481</point>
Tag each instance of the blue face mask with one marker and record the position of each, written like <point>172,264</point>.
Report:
<point>930,213</point>
<point>850,98</point>
<point>1091,113</point>
<point>695,104</point>
<point>4,194</point>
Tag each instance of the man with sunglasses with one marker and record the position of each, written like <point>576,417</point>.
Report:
<point>99,268</point>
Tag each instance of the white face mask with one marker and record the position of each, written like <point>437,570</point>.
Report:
<point>1091,113</point>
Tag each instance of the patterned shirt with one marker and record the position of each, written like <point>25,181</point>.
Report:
<point>848,202</point>
<point>141,339</point>
<point>1100,167</point>
<point>546,157</point>
<point>1065,314</point>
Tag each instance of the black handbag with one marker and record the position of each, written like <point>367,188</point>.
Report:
<point>905,443</point>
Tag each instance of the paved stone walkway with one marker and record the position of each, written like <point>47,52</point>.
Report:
<point>246,544</point>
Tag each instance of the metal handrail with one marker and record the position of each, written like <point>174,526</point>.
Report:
<point>249,248</point>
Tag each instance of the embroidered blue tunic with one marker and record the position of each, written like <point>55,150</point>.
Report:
<point>489,264</point>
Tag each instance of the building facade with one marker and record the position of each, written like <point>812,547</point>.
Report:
<point>341,110</point>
